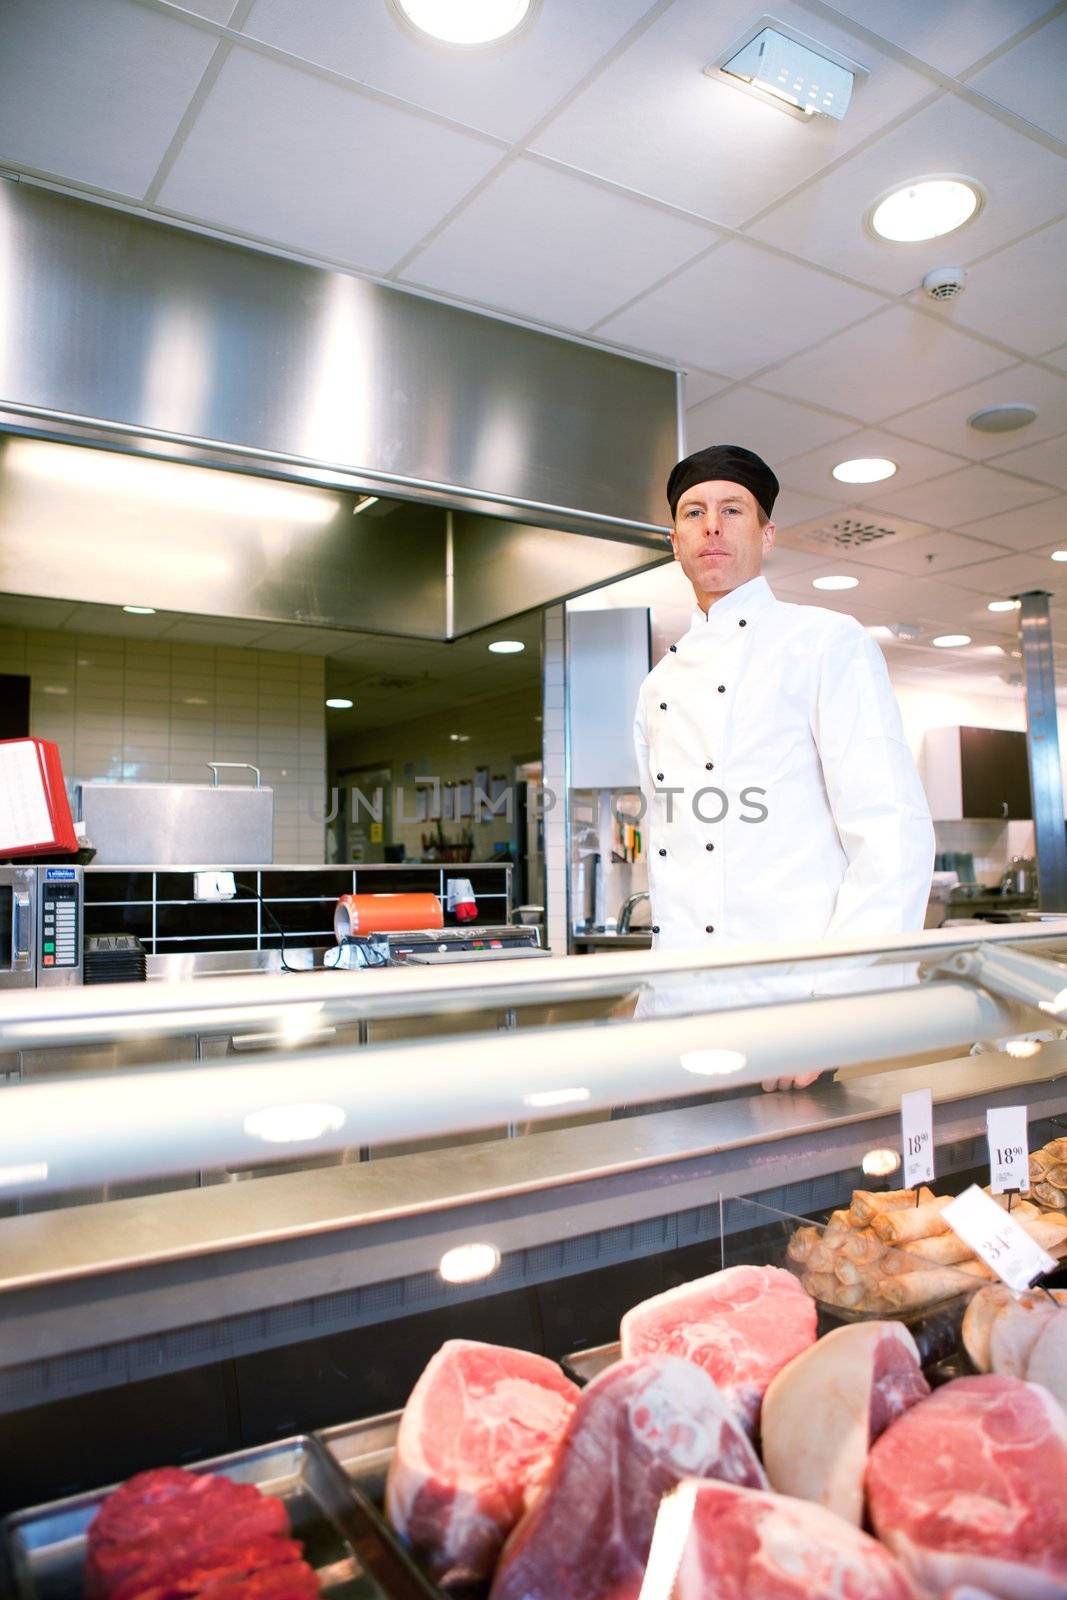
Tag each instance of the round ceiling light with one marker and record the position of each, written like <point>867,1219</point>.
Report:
<point>1002,419</point>
<point>1059,555</point>
<point>465,22</point>
<point>507,647</point>
<point>949,641</point>
<point>834,582</point>
<point>140,611</point>
<point>1003,605</point>
<point>865,469</point>
<point>925,208</point>
<point>339,703</point>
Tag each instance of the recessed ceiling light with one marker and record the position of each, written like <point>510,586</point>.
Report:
<point>865,469</point>
<point>834,582</point>
<point>878,630</point>
<point>1059,555</point>
<point>926,208</point>
<point>464,21</point>
<point>339,703</point>
<point>1002,419</point>
<point>1003,605</point>
<point>507,647</point>
<point>140,611</point>
<point>948,641</point>
<point>460,738</point>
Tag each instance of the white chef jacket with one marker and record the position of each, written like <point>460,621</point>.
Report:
<point>787,710</point>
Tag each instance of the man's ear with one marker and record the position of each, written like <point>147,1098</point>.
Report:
<point>768,537</point>
<point>674,543</point>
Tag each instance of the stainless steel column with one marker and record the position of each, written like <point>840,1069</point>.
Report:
<point>1043,748</point>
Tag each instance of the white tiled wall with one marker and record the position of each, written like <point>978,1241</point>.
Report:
<point>156,712</point>
<point>554,659</point>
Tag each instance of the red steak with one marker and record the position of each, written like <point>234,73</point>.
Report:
<point>477,1437</point>
<point>639,1428</point>
<point>969,1487</point>
<point>741,1325</point>
<point>173,1569</point>
<point>715,1541</point>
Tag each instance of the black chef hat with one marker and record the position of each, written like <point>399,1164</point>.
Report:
<point>729,462</point>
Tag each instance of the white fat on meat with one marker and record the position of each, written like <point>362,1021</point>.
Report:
<point>969,1489</point>
<point>640,1427</point>
<point>823,1411</point>
<point>1047,1361</point>
<point>715,1541</point>
<point>476,1441</point>
<point>741,1325</point>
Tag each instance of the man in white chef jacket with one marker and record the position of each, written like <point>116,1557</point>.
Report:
<point>782,799</point>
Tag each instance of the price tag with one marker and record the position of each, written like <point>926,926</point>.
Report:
<point>1009,1149</point>
<point>997,1239</point>
<point>917,1136</point>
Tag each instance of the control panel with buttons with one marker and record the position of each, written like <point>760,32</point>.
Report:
<point>59,926</point>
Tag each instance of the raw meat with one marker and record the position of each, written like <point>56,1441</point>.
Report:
<point>1016,1329</point>
<point>1047,1364</point>
<point>717,1542</point>
<point>477,1438</point>
<point>978,1322</point>
<point>640,1427</point>
<point>741,1325</point>
<point>969,1487</point>
<point>174,1535</point>
<point>855,1381</point>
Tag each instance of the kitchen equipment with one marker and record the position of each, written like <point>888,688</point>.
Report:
<point>115,958</point>
<point>362,914</point>
<point>1020,877</point>
<point>40,926</point>
<point>439,946</point>
<point>180,824</point>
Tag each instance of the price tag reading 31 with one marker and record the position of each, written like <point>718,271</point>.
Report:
<point>997,1239</point>
<point>1009,1149</point>
<point>917,1137</point>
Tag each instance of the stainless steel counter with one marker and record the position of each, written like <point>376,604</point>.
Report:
<point>602,942</point>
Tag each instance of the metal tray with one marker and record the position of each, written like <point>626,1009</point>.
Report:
<point>341,1535</point>
<point>582,1366</point>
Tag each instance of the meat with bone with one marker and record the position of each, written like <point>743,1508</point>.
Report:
<point>714,1541</point>
<point>169,1534</point>
<point>969,1487</point>
<point>741,1325</point>
<point>822,1413</point>
<point>476,1439</point>
<point>640,1427</point>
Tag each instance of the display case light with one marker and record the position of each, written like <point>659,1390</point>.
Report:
<point>467,1263</point>
<point>880,1163</point>
<point>555,1097</point>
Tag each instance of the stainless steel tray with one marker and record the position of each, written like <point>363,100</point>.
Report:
<point>582,1366</point>
<point>363,1451</point>
<point>341,1535</point>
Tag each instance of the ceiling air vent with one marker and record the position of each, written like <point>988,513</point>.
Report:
<point>852,532</point>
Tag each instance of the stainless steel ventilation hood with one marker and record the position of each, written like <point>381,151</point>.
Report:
<point>510,468</point>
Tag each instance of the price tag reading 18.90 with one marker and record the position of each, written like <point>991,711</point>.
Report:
<point>997,1239</point>
<point>917,1137</point>
<point>1009,1153</point>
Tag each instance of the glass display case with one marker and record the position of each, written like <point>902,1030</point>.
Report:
<point>245,1208</point>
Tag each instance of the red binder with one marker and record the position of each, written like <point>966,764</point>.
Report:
<point>34,810</point>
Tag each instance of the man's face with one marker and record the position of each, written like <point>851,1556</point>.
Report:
<point>717,537</point>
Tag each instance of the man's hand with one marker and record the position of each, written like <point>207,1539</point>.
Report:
<point>805,1081</point>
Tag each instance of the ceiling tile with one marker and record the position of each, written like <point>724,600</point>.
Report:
<point>1025,184</point>
<point>1028,79</point>
<point>26,611</point>
<point>700,386</point>
<point>94,93</point>
<point>1026,528</point>
<point>738,310</point>
<point>214,10</point>
<point>944,422</point>
<point>937,32</point>
<point>653,121</point>
<point>283,155</point>
<point>895,359</point>
<point>1010,575</point>
<point>504,90</point>
<point>935,553</point>
<point>773,427</point>
<point>791,509</point>
<point>958,497</point>
<point>547,245</point>
<point>1016,296</point>
<point>813,472</point>
<point>1047,461</point>
<point>1057,357</point>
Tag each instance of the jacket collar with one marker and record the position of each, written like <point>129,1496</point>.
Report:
<point>748,601</point>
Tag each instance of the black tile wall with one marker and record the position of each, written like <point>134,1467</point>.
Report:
<point>118,886</point>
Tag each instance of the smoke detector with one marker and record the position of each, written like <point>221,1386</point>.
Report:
<point>945,283</point>
<point>1002,419</point>
<point>905,630</point>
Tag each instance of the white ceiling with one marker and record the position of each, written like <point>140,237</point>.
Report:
<point>589,177</point>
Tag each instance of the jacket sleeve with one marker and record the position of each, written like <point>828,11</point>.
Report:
<point>877,800</point>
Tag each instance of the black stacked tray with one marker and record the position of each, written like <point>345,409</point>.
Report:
<point>114,958</point>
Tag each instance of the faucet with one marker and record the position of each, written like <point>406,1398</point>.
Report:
<point>628,908</point>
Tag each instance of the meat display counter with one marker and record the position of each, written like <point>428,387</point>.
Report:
<point>515,1153</point>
